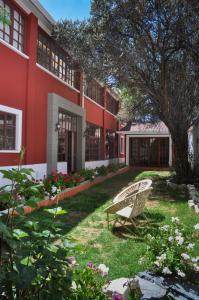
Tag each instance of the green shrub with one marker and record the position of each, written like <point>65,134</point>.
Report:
<point>88,174</point>
<point>102,171</point>
<point>32,265</point>
<point>170,251</point>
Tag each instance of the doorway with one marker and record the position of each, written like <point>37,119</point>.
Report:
<point>67,139</point>
<point>149,152</point>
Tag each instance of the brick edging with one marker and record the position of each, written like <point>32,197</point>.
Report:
<point>67,193</point>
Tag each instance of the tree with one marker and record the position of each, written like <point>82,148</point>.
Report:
<point>150,45</point>
<point>4,16</point>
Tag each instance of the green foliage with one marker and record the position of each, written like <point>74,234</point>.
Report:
<point>22,188</point>
<point>88,284</point>
<point>33,265</point>
<point>88,174</point>
<point>171,250</point>
<point>102,171</point>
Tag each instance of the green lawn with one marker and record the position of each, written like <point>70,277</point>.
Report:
<point>86,222</point>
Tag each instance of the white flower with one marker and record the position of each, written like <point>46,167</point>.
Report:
<point>180,273</point>
<point>196,227</point>
<point>195,259</point>
<point>175,220</point>
<point>196,268</point>
<point>190,246</point>
<point>157,263</point>
<point>73,285</point>
<point>177,232</point>
<point>141,260</point>
<point>161,257</point>
<point>180,240</point>
<point>103,269</point>
<point>165,227</point>
<point>185,256</point>
<point>170,239</point>
<point>166,271</point>
<point>53,189</point>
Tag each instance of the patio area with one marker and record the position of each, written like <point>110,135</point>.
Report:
<point>120,250</point>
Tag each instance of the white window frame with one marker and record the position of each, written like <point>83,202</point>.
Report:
<point>18,131</point>
<point>122,141</point>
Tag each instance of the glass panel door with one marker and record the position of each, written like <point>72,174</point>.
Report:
<point>67,140</point>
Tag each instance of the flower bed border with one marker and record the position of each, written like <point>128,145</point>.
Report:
<point>67,193</point>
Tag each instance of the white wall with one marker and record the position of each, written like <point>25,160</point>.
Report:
<point>99,163</point>
<point>39,171</point>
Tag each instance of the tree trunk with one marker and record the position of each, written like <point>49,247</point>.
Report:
<point>182,165</point>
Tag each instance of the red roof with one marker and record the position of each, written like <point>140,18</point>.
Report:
<point>145,128</point>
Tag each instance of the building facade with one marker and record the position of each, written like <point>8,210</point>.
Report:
<point>63,121</point>
<point>148,145</point>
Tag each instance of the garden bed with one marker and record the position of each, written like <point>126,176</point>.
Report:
<point>67,193</point>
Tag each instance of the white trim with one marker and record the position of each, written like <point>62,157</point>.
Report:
<point>56,77</point>
<point>102,107</point>
<point>111,113</point>
<point>99,163</point>
<point>123,142</point>
<point>18,136</point>
<point>144,133</point>
<point>13,49</point>
<point>93,101</point>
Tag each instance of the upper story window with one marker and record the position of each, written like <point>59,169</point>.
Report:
<point>93,142</point>
<point>14,32</point>
<point>56,60</point>
<point>93,90</point>
<point>112,104</point>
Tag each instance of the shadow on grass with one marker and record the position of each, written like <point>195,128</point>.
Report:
<point>96,198</point>
<point>150,225</point>
<point>85,203</point>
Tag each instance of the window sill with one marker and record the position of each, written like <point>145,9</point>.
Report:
<point>13,49</point>
<point>56,77</point>
<point>9,151</point>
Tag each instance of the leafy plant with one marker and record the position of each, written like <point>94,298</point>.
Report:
<point>171,250</point>
<point>88,174</point>
<point>102,171</point>
<point>33,259</point>
<point>88,283</point>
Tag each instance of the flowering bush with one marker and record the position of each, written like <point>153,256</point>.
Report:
<point>56,182</point>
<point>171,250</point>
<point>88,282</point>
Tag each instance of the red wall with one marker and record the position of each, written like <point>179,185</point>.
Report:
<point>24,86</point>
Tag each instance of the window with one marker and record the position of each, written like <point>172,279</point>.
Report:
<point>93,90</point>
<point>14,32</point>
<point>93,142</point>
<point>56,60</point>
<point>111,144</point>
<point>67,136</point>
<point>10,129</point>
<point>112,104</point>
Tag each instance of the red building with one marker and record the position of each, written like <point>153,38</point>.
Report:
<point>46,104</point>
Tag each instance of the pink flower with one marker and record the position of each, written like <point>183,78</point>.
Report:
<point>90,265</point>
<point>117,297</point>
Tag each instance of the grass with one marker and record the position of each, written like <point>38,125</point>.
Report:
<point>86,221</point>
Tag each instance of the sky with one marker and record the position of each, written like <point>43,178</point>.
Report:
<point>67,9</point>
